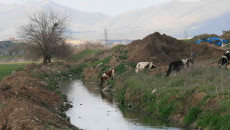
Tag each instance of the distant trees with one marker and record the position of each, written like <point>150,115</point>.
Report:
<point>17,49</point>
<point>226,35</point>
<point>45,36</point>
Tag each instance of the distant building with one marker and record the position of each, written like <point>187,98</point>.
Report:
<point>12,39</point>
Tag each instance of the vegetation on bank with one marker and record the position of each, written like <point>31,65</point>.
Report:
<point>198,97</point>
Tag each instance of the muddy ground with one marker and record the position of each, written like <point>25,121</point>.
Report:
<point>27,102</point>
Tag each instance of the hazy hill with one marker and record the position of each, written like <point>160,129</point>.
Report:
<point>205,16</point>
<point>172,18</point>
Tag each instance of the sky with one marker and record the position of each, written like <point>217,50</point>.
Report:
<point>108,7</point>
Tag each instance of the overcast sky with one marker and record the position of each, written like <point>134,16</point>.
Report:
<point>109,7</point>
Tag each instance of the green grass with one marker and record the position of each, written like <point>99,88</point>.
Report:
<point>103,61</point>
<point>121,96</point>
<point>120,69</point>
<point>7,69</point>
<point>192,115</point>
<point>174,95</point>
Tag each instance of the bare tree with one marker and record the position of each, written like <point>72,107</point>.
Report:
<point>45,36</point>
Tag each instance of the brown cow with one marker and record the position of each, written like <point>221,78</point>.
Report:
<point>105,76</point>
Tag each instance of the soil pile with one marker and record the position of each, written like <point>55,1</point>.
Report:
<point>163,49</point>
<point>27,103</point>
<point>206,51</point>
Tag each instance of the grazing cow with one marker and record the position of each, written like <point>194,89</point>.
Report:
<point>142,65</point>
<point>223,61</point>
<point>227,54</point>
<point>105,76</point>
<point>176,66</point>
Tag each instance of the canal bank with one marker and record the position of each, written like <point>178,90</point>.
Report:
<point>29,99</point>
<point>94,110</point>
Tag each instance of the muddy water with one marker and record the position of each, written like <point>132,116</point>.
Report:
<point>93,110</point>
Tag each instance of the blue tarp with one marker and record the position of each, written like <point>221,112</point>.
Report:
<point>214,40</point>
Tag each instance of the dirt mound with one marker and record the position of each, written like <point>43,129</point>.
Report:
<point>163,49</point>
<point>207,51</point>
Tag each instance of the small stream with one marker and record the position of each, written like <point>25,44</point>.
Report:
<point>93,110</point>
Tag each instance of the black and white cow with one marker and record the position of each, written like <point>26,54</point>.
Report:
<point>144,65</point>
<point>227,54</point>
<point>176,66</point>
<point>223,62</point>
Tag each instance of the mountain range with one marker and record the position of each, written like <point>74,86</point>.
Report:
<point>173,18</point>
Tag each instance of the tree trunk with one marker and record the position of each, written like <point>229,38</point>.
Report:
<point>49,57</point>
<point>45,59</point>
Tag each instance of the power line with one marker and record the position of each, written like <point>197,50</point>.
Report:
<point>106,36</point>
<point>185,34</point>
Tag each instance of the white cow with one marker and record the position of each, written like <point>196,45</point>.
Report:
<point>142,65</point>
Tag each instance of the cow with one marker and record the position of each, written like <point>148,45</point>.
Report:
<point>105,76</point>
<point>227,54</point>
<point>144,65</point>
<point>176,66</point>
<point>223,61</point>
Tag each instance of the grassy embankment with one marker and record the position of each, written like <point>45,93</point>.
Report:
<point>199,98</point>
<point>8,68</point>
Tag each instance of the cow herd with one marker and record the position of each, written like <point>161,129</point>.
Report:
<point>173,68</point>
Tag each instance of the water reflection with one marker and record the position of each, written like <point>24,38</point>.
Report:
<point>93,110</point>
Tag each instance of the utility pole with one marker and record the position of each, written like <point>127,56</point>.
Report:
<point>106,36</point>
<point>185,34</point>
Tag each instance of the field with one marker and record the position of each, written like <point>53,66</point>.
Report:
<point>8,68</point>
